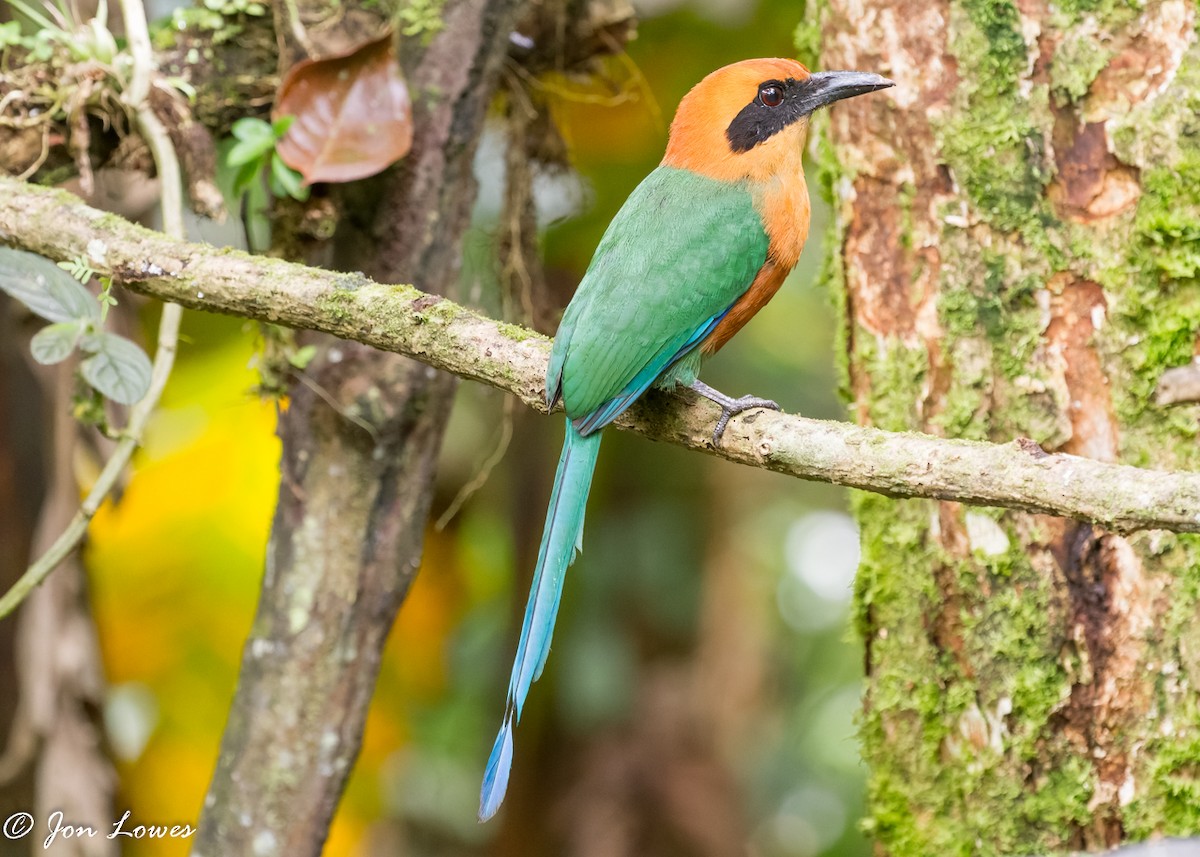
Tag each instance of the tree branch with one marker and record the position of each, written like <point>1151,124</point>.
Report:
<point>1017,475</point>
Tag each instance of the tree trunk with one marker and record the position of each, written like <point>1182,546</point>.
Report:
<point>1018,257</point>
<point>360,446</point>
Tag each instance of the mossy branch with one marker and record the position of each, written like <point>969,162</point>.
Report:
<point>402,319</point>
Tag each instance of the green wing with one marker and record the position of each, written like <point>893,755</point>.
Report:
<point>677,256</point>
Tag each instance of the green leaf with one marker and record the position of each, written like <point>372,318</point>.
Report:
<point>45,288</point>
<point>280,126</point>
<point>248,151</point>
<point>10,34</point>
<point>119,369</point>
<point>182,86</point>
<point>245,177</point>
<point>290,182</point>
<point>301,357</point>
<point>250,129</point>
<point>78,268</point>
<point>54,343</point>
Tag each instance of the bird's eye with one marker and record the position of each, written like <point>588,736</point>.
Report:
<point>771,96</point>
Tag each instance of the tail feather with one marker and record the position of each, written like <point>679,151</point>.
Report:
<point>495,776</point>
<point>562,537</point>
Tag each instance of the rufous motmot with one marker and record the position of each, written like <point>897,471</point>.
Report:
<point>699,247</point>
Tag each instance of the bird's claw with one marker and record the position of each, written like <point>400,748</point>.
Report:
<point>735,407</point>
<point>730,407</point>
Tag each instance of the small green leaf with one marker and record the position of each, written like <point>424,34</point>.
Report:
<point>45,288</point>
<point>250,129</point>
<point>301,357</point>
<point>119,369</point>
<point>245,177</point>
<point>106,297</point>
<point>281,125</point>
<point>247,151</point>
<point>54,343</point>
<point>182,86</point>
<point>286,181</point>
<point>10,34</point>
<point>78,268</point>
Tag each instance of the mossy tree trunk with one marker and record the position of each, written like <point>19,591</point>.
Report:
<point>1019,255</point>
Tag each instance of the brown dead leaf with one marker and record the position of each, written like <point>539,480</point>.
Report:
<point>353,114</point>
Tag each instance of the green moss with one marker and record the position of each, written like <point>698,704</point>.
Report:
<point>965,405</point>
<point>990,139</point>
<point>1057,804</point>
<point>898,374</point>
<point>1114,11</point>
<point>1002,55</point>
<point>1002,305</point>
<point>807,35</point>
<point>1162,131</point>
<point>991,297</point>
<point>421,18</point>
<point>1169,804</point>
<point>1168,219</point>
<point>998,155</point>
<point>807,39</point>
<point>946,745</point>
<point>336,305</point>
<point>906,532</point>
<point>830,275</point>
<point>1156,319</point>
<point>1167,796</point>
<point>517,333</point>
<point>1079,58</point>
<point>1159,312</point>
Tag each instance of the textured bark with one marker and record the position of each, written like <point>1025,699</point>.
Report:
<point>360,444</point>
<point>1019,257</point>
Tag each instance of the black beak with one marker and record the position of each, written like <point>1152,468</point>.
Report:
<point>826,87</point>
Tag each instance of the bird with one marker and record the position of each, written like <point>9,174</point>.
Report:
<point>696,250</point>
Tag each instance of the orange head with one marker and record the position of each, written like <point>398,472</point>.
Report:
<point>749,120</point>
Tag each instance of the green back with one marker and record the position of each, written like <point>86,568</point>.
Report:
<point>678,254</point>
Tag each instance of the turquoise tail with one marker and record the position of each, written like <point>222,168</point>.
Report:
<point>561,539</point>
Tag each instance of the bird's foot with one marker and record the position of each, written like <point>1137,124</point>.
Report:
<point>730,407</point>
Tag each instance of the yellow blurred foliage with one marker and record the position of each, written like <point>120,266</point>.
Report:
<point>175,569</point>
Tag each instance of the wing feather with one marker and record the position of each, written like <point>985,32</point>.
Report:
<point>677,256</point>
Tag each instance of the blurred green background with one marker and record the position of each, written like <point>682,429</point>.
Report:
<point>703,686</point>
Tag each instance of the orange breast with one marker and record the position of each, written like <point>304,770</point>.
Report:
<point>766,284</point>
<point>785,212</point>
